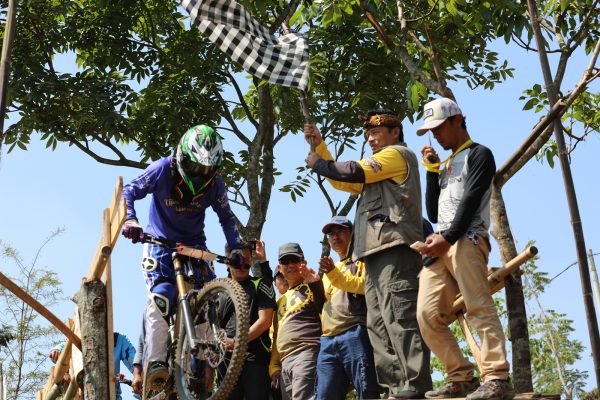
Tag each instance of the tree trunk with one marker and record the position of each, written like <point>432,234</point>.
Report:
<point>91,300</point>
<point>260,164</point>
<point>515,300</point>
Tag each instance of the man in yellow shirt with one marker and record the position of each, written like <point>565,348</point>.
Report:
<point>296,327</point>
<point>346,355</point>
<point>388,220</point>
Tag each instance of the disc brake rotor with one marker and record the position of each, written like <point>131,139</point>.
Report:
<point>216,355</point>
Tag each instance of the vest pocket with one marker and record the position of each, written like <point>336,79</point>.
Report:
<point>374,203</point>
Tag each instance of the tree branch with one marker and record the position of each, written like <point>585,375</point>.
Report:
<point>403,55</point>
<point>578,36</point>
<point>434,59</point>
<point>240,135</point>
<point>238,194</point>
<point>433,7</point>
<point>542,130</point>
<point>240,96</point>
<point>290,9</point>
<point>418,42</point>
<point>121,162</point>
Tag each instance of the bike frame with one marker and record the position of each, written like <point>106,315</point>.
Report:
<point>181,280</point>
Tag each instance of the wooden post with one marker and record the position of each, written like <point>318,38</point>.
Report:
<point>110,343</point>
<point>91,300</point>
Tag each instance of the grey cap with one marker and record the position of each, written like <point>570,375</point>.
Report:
<point>290,249</point>
<point>338,220</point>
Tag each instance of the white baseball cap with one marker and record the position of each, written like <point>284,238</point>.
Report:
<point>436,112</point>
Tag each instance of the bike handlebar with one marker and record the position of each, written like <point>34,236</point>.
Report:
<point>188,251</point>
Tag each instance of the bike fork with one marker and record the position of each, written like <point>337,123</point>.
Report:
<point>188,320</point>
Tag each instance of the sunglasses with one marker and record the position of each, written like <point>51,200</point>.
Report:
<point>290,260</point>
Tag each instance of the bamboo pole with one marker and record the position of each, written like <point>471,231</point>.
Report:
<point>77,355</point>
<point>103,252</point>
<point>59,370</point>
<point>62,364</point>
<point>53,393</point>
<point>37,306</point>
<point>496,279</point>
<point>594,277</point>
<point>110,342</point>
<point>586,286</point>
<point>464,326</point>
<point>71,390</point>
<point>496,283</point>
<point>117,212</point>
<point>9,33</point>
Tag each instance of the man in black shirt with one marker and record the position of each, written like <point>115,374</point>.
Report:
<point>457,198</point>
<point>254,382</point>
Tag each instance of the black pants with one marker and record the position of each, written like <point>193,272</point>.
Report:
<point>253,383</point>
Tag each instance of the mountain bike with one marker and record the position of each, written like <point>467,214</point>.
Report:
<point>191,353</point>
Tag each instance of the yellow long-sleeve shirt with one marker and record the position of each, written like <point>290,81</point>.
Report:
<point>345,305</point>
<point>385,164</point>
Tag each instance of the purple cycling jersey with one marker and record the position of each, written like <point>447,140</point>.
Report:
<point>174,219</point>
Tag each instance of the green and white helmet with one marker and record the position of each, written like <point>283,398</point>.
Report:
<point>199,157</point>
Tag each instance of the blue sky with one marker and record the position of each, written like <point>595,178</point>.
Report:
<point>43,190</point>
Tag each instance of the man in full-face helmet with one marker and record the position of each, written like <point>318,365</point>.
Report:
<point>182,186</point>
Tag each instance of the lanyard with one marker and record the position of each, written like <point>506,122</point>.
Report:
<point>435,167</point>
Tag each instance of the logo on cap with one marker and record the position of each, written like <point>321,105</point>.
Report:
<point>428,113</point>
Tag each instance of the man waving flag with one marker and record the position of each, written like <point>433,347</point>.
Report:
<point>282,61</point>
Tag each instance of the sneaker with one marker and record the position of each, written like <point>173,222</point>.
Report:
<point>156,376</point>
<point>453,390</point>
<point>496,389</point>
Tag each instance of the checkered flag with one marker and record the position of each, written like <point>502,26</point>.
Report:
<point>227,24</point>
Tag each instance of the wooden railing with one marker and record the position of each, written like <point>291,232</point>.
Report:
<point>92,352</point>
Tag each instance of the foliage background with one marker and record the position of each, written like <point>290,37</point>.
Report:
<point>67,188</point>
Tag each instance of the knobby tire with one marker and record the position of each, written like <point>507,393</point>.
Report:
<point>211,292</point>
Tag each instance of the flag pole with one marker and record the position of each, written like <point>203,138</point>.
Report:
<point>306,113</point>
<point>303,97</point>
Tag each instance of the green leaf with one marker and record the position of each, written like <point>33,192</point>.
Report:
<point>451,7</point>
<point>530,103</point>
<point>563,5</point>
<point>550,158</point>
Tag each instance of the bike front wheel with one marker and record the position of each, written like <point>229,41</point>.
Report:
<point>220,304</point>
